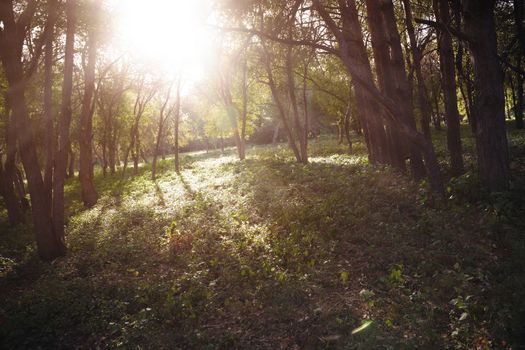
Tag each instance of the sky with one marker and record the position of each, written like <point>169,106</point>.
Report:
<point>168,36</point>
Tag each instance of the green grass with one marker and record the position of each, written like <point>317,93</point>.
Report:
<point>267,254</point>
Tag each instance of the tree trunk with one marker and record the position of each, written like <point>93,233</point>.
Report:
<point>162,118</point>
<point>491,136</point>
<point>7,191</point>
<point>520,31</point>
<point>11,44</point>
<point>388,55</point>
<point>424,104</point>
<point>364,81</point>
<point>368,110</point>
<point>275,135</point>
<point>346,126</point>
<point>244,116</point>
<point>279,104</point>
<point>293,99</point>
<point>176,131</point>
<point>518,109</point>
<point>64,124</point>
<point>448,82</point>
<point>8,172</point>
<point>48,101</point>
<point>71,165</point>
<point>85,174</point>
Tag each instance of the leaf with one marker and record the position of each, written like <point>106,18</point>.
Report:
<point>463,316</point>
<point>362,327</point>
<point>345,276</point>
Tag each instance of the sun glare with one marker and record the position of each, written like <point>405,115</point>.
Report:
<point>166,35</point>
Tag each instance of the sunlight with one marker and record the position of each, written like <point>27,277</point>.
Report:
<point>169,35</point>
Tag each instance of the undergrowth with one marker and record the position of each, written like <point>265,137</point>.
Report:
<point>268,254</point>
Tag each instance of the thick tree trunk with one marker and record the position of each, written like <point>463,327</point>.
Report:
<point>392,76</point>
<point>64,124</point>
<point>448,82</point>
<point>11,44</point>
<point>394,117</point>
<point>353,52</point>
<point>491,136</point>
<point>48,103</point>
<point>85,174</point>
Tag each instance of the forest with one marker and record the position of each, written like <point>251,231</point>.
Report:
<point>261,174</point>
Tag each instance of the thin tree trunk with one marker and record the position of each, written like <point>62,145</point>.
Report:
<point>346,125</point>
<point>520,31</point>
<point>424,104</point>
<point>88,192</point>
<point>64,124</point>
<point>162,118</point>
<point>280,106</point>
<point>518,110</point>
<point>293,99</point>
<point>12,204</point>
<point>176,131</point>
<point>71,165</point>
<point>275,135</point>
<point>7,172</point>
<point>244,116</point>
<point>448,81</point>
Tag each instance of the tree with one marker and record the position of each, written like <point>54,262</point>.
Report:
<point>164,115</point>
<point>448,83</point>
<point>64,124</point>
<point>489,112</point>
<point>89,194</point>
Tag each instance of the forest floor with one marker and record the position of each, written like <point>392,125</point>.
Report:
<point>269,254</point>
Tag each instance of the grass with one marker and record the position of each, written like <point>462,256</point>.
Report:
<point>267,254</point>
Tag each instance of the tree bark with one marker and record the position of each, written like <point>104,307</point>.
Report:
<point>364,81</point>
<point>389,54</point>
<point>448,82</point>
<point>8,174</point>
<point>49,246</point>
<point>64,124</point>
<point>176,127</point>
<point>520,32</point>
<point>162,118</point>
<point>88,192</point>
<point>293,99</point>
<point>491,136</point>
<point>424,104</point>
<point>48,101</point>
<point>279,104</point>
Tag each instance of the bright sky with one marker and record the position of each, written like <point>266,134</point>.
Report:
<point>169,35</point>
